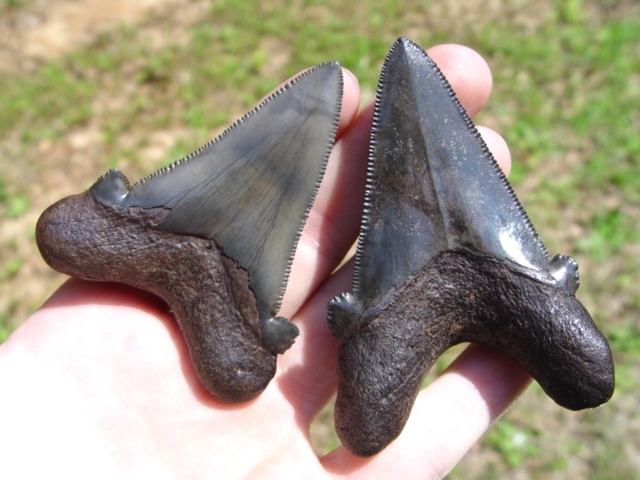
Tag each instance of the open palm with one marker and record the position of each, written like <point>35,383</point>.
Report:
<point>98,383</point>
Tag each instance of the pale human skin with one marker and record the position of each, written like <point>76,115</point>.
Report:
<point>98,384</point>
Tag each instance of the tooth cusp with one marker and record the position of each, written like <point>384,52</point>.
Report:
<point>344,313</point>
<point>111,188</point>
<point>565,270</point>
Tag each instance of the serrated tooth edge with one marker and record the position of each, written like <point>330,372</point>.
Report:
<point>329,147</point>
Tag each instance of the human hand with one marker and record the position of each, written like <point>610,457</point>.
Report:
<point>98,382</point>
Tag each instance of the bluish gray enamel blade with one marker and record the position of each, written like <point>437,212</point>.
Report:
<point>251,188</point>
<point>432,183</point>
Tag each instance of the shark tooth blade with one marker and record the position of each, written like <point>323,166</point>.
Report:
<point>397,227</point>
<point>480,209</point>
<point>250,189</point>
<point>432,183</point>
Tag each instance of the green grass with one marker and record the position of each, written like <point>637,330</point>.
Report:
<point>589,104</point>
<point>13,5</point>
<point>512,442</point>
<point>566,97</point>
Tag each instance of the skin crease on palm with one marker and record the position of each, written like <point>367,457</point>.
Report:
<point>98,384</point>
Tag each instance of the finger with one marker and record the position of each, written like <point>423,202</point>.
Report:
<point>350,101</point>
<point>447,419</point>
<point>307,373</point>
<point>334,220</point>
<point>334,223</point>
<point>467,73</point>
<point>85,310</point>
<point>498,147</point>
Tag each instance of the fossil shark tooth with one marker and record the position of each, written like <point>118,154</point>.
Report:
<point>214,233</point>
<point>447,255</point>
